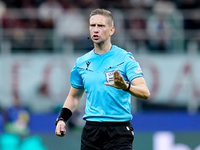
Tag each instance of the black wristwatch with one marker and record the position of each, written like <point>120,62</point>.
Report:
<point>129,86</point>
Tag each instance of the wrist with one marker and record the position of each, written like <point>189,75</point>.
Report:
<point>59,120</point>
<point>65,114</point>
<point>129,86</point>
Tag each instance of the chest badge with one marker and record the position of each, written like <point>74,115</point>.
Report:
<point>110,77</point>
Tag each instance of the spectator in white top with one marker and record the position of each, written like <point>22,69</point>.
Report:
<point>48,11</point>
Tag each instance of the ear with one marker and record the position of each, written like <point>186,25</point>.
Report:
<point>112,30</point>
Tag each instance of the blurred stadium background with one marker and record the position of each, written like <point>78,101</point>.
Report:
<point>40,41</point>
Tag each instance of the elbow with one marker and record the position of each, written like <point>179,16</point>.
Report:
<point>146,95</point>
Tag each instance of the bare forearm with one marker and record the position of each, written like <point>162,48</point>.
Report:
<point>139,91</point>
<point>71,103</point>
<point>73,99</point>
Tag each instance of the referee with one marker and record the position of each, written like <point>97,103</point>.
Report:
<point>109,75</point>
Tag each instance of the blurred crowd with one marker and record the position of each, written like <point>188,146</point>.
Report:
<point>160,26</point>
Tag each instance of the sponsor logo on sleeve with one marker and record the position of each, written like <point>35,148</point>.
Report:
<point>138,70</point>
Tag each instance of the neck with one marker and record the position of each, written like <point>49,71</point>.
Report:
<point>102,48</point>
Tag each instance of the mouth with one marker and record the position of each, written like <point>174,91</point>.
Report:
<point>95,37</point>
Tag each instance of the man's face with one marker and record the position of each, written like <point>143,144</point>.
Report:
<point>99,28</point>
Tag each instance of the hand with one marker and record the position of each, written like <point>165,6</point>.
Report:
<point>60,128</point>
<point>119,81</point>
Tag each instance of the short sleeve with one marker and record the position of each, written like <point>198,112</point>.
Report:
<point>133,69</point>
<point>75,79</point>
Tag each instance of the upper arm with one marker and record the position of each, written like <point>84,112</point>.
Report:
<point>76,92</point>
<point>75,78</point>
<point>133,69</point>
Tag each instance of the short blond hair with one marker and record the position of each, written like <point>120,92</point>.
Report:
<point>105,13</point>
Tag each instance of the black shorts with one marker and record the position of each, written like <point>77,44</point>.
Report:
<point>107,136</point>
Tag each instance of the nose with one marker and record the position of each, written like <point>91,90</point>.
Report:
<point>96,30</point>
